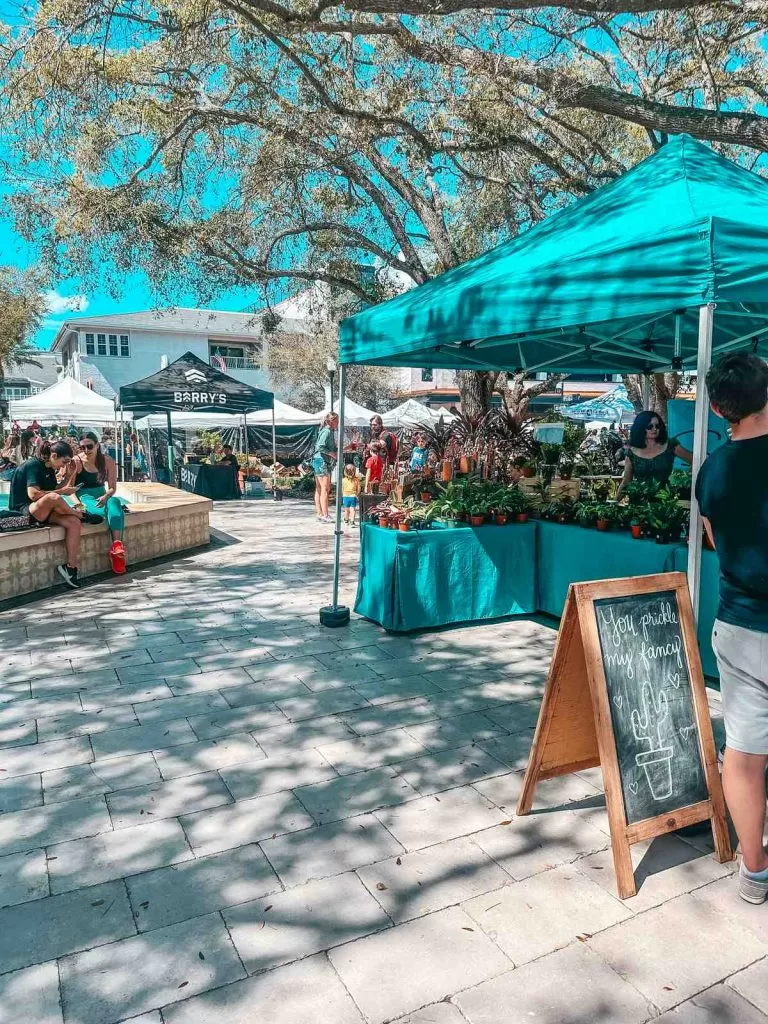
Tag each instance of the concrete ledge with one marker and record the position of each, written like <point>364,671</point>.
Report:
<point>162,520</point>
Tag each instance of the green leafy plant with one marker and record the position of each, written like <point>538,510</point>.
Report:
<point>550,454</point>
<point>641,492</point>
<point>681,481</point>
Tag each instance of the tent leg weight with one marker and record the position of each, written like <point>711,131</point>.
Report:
<point>334,616</point>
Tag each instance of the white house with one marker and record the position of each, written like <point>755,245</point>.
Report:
<point>122,348</point>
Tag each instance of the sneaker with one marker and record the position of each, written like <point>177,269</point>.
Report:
<point>69,575</point>
<point>753,890</point>
<point>117,557</point>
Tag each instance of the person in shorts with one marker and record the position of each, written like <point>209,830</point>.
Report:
<point>35,493</point>
<point>732,491</point>
<point>323,461</point>
<point>350,489</point>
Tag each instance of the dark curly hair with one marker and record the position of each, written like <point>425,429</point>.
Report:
<point>637,435</point>
<point>738,385</point>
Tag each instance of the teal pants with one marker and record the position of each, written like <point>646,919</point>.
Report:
<point>113,511</point>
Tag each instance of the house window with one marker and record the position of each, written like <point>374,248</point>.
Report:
<point>235,357</point>
<point>90,345</point>
<point>15,394</point>
<point>113,344</point>
<point>125,349</point>
<point>101,341</point>
<point>427,375</point>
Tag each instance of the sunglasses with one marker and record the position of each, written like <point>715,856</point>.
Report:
<point>653,426</point>
<point>87,447</point>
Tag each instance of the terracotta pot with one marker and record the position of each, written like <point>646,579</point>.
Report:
<point>447,471</point>
<point>404,527</point>
<point>602,524</point>
<point>500,519</point>
<point>384,521</point>
<point>637,531</point>
<point>392,526</point>
<point>477,520</point>
<point>465,464</point>
<point>426,497</point>
<point>528,472</point>
<point>521,517</point>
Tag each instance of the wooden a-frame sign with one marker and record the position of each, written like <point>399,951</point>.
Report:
<point>575,729</point>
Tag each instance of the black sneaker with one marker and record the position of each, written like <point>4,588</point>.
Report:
<point>69,575</point>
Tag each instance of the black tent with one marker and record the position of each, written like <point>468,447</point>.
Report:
<point>190,385</point>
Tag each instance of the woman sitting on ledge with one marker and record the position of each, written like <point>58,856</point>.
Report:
<point>94,475</point>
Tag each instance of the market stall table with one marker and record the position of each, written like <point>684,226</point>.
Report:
<point>215,482</point>
<point>420,579</point>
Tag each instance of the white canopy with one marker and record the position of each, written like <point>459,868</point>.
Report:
<point>446,414</point>
<point>285,416</point>
<point>409,413</point>
<point>354,415</point>
<point>67,401</point>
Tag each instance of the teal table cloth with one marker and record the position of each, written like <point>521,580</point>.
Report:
<point>571,554</point>
<point>426,578</point>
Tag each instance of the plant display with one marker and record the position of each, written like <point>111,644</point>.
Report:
<point>681,482</point>
<point>640,492</point>
<point>559,510</point>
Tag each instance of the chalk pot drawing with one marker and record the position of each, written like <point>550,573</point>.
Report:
<point>656,762</point>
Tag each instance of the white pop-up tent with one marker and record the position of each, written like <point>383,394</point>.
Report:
<point>67,401</point>
<point>409,413</point>
<point>354,415</point>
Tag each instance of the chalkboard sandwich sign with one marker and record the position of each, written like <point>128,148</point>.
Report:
<point>626,692</point>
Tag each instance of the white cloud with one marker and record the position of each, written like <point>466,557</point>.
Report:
<point>58,303</point>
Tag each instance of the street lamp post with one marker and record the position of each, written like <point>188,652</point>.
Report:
<point>331,368</point>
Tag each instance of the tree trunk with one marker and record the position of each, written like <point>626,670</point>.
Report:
<point>664,386</point>
<point>476,390</point>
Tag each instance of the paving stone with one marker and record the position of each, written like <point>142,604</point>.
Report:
<point>148,971</point>
<point>139,673</point>
<point>23,877</point>
<point>179,707</point>
<point>84,723</point>
<point>97,700</point>
<point>415,884</point>
<point>99,777</point>
<point>246,821</point>
<point>43,757</point>
<point>674,951</point>
<point>300,992</point>
<point>330,849</point>
<point>285,648</point>
<point>572,986</point>
<point>116,854</point>
<point>169,895</point>
<point>355,794</point>
<point>276,774</point>
<point>514,750</point>
<point>433,819</point>
<point>230,659</point>
<point>436,1013</point>
<point>267,691</point>
<point>448,769</point>
<point>19,793</point>
<point>41,826</point>
<point>181,650</point>
<point>447,947</point>
<point>167,799</point>
<point>41,930</point>
<point>294,924</point>
<point>719,1004</point>
<point>519,716</point>
<point>462,731</point>
<point>537,842</point>
<point>207,755</point>
<point>298,735</point>
<point>411,712</point>
<point>317,677</point>
<point>251,719</point>
<point>388,691</point>
<point>59,682</point>
<point>202,682</point>
<point>18,734</point>
<point>139,738</point>
<point>545,912</point>
<point>752,984</point>
<point>360,753</point>
<point>665,867</point>
<point>327,702</point>
<point>31,995</point>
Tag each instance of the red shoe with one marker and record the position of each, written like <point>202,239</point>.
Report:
<point>117,557</point>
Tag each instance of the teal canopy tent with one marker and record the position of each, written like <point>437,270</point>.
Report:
<point>624,280</point>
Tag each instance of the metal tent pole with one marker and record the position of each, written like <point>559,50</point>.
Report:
<point>122,445</point>
<point>700,423</point>
<point>274,455</point>
<point>170,447</point>
<point>246,452</point>
<point>336,614</point>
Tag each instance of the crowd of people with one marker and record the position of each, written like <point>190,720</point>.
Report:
<point>66,479</point>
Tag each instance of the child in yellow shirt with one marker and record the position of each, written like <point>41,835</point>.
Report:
<point>350,488</point>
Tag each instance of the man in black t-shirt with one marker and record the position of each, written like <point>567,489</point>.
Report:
<point>230,459</point>
<point>732,491</point>
<point>34,493</point>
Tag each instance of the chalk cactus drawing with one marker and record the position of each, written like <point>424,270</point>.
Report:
<point>656,762</point>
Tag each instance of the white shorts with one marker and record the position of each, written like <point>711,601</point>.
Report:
<point>742,659</point>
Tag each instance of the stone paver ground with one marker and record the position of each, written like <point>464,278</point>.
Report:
<point>216,812</point>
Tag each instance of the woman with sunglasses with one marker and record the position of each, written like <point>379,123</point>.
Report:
<point>651,454</point>
<point>94,474</point>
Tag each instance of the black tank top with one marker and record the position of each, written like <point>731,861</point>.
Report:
<point>88,479</point>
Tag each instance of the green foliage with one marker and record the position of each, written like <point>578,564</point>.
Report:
<point>640,492</point>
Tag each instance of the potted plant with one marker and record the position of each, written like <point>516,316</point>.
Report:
<point>586,513</point>
<point>566,470</point>
<point>606,514</point>
<point>528,469</point>
<point>680,483</point>
<point>636,528</point>
<point>476,508</point>
<point>518,505</point>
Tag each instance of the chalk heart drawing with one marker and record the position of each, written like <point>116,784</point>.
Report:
<point>618,700</point>
<point>674,678</point>
<point>686,730</point>
<point>634,787</point>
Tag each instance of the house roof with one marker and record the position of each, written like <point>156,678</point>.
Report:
<point>209,322</point>
<point>46,374</point>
